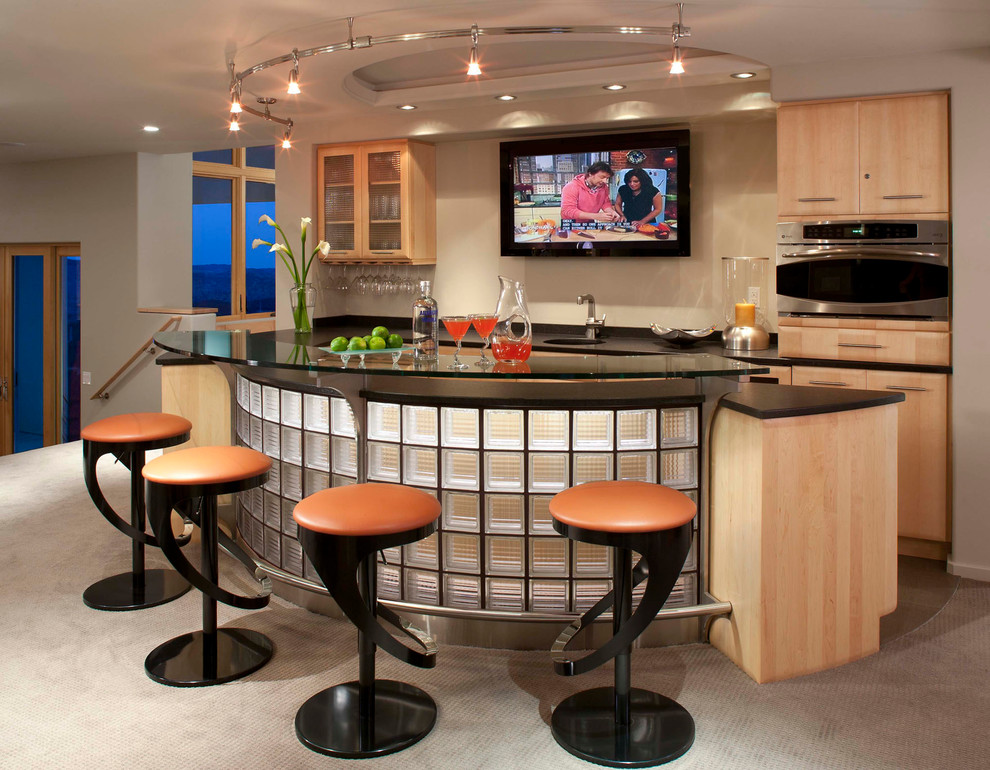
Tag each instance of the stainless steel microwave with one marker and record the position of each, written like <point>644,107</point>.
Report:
<point>875,268</point>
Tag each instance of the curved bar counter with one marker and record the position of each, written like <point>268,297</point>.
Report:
<point>494,446</point>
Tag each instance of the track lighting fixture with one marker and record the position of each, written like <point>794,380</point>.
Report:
<point>676,31</point>
<point>294,74</point>
<point>474,66</point>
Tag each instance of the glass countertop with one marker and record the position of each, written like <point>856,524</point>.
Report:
<point>275,350</point>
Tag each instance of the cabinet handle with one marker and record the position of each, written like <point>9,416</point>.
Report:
<point>815,200</point>
<point>383,252</point>
<point>907,387</point>
<point>826,382</point>
<point>858,345</point>
<point>336,251</point>
<point>901,197</point>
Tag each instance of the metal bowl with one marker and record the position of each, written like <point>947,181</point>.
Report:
<point>682,337</point>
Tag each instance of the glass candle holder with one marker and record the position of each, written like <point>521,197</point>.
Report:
<point>744,296</point>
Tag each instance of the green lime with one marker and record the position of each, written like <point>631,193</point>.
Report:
<point>338,343</point>
<point>395,340</point>
<point>357,343</point>
<point>366,338</point>
<point>380,331</point>
<point>377,343</point>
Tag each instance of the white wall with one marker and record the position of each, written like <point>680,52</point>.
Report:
<point>164,201</point>
<point>967,74</point>
<point>95,202</point>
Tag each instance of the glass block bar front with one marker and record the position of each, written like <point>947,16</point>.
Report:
<point>494,470</point>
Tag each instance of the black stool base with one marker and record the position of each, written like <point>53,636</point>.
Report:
<point>123,592</point>
<point>661,729</point>
<point>183,661</point>
<point>329,722</point>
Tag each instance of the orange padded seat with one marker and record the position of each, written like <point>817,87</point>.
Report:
<point>622,506</point>
<point>142,426</point>
<point>366,509</point>
<point>207,465</point>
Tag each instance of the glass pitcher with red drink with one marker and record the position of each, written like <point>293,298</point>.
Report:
<point>512,338</point>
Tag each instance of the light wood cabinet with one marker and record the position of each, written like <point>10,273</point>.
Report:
<point>922,452</point>
<point>877,156</point>
<point>868,340</point>
<point>828,377</point>
<point>377,202</point>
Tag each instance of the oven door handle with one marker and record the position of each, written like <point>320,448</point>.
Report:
<point>859,251</point>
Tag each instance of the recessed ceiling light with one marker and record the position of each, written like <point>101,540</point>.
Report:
<point>505,97</point>
<point>743,75</point>
<point>151,129</point>
<point>614,87</point>
<point>406,107</point>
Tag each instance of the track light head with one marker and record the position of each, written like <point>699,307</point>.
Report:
<point>474,64</point>
<point>294,74</point>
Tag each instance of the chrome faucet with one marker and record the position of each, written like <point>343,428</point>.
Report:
<point>592,326</point>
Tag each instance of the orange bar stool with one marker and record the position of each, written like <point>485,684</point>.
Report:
<point>210,656</point>
<point>127,437</point>
<point>622,726</point>
<point>341,530</point>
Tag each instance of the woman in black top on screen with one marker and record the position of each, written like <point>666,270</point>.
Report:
<point>638,200</point>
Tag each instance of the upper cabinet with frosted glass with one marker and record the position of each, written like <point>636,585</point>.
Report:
<point>878,155</point>
<point>377,201</point>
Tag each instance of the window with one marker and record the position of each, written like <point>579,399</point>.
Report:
<point>231,190</point>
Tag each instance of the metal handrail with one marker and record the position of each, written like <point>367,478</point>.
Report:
<point>146,347</point>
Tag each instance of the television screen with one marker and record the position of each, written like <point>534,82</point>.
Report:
<point>616,195</point>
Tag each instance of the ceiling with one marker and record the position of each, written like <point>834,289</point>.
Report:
<point>82,79</point>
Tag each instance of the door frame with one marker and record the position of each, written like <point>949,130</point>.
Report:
<point>52,254</point>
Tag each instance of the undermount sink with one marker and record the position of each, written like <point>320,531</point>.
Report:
<point>573,341</point>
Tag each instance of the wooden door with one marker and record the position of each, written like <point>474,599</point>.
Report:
<point>922,452</point>
<point>904,154</point>
<point>817,159</point>
<point>340,209</point>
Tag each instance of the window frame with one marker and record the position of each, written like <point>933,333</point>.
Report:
<point>239,173</point>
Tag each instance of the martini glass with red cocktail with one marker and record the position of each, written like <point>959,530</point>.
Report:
<point>484,324</point>
<point>457,326</point>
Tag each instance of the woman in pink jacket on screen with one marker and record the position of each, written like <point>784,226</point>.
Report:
<point>586,197</point>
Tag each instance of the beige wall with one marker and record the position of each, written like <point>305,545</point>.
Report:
<point>95,202</point>
<point>967,74</point>
<point>733,213</point>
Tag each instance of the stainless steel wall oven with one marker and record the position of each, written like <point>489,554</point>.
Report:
<point>884,269</point>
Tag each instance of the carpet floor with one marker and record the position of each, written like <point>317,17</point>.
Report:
<point>74,693</point>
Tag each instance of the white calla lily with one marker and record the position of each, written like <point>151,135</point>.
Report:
<point>280,247</point>
<point>323,247</point>
<point>258,242</point>
<point>267,219</point>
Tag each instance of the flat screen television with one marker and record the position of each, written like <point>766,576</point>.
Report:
<point>551,206</point>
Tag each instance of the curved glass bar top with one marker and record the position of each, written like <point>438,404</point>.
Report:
<point>283,350</point>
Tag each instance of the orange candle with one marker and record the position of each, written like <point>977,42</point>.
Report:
<point>745,314</point>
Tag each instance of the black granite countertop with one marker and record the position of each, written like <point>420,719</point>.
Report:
<point>769,402</point>
<point>618,341</point>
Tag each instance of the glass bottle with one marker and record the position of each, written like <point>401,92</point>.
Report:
<point>512,339</point>
<point>425,324</point>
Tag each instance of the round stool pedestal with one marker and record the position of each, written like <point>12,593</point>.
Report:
<point>186,661</point>
<point>330,722</point>
<point>660,729</point>
<point>135,590</point>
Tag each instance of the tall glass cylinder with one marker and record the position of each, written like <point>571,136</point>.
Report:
<point>744,296</point>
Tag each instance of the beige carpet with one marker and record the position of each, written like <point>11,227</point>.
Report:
<point>73,692</point>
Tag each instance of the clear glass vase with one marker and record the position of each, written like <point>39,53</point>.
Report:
<point>512,339</point>
<point>302,298</point>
